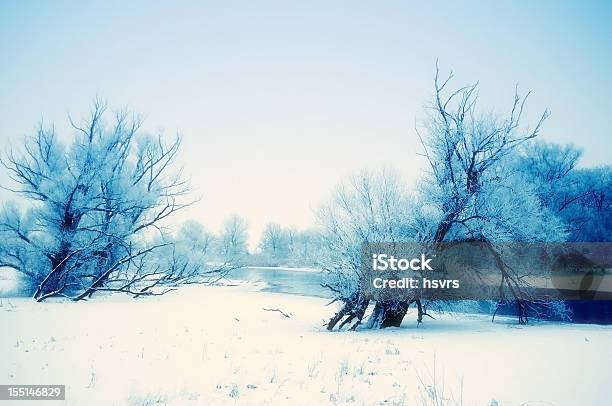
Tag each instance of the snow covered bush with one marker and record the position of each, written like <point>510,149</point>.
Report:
<point>371,207</point>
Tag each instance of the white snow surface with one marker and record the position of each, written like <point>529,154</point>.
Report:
<point>216,345</point>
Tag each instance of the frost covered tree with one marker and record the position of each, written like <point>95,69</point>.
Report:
<point>582,197</point>
<point>195,237</point>
<point>590,216</point>
<point>189,255</point>
<point>475,189</point>
<point>89,206</point>
<point>232,242</point>
<point>288,246</point>
<point>276,241</point>
<point>306,246</point>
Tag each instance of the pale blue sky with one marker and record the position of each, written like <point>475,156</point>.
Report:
<point>277,101</point>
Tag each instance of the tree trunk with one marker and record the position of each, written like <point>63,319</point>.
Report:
<point>56,276</point>
<point>388,314</point>
<point>353,309</point>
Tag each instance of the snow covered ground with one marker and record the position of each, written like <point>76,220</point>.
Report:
<point>217,345</point>
<point>9,282</point>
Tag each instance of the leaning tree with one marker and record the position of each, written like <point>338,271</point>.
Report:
<point>475,189</point>
<point>89,207</point>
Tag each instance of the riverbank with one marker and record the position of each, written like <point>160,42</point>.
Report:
<point>235,345</point>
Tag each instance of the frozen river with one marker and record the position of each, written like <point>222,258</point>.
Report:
<point>306,282</point>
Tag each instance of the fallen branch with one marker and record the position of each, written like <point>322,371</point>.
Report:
<point>278,310</point>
